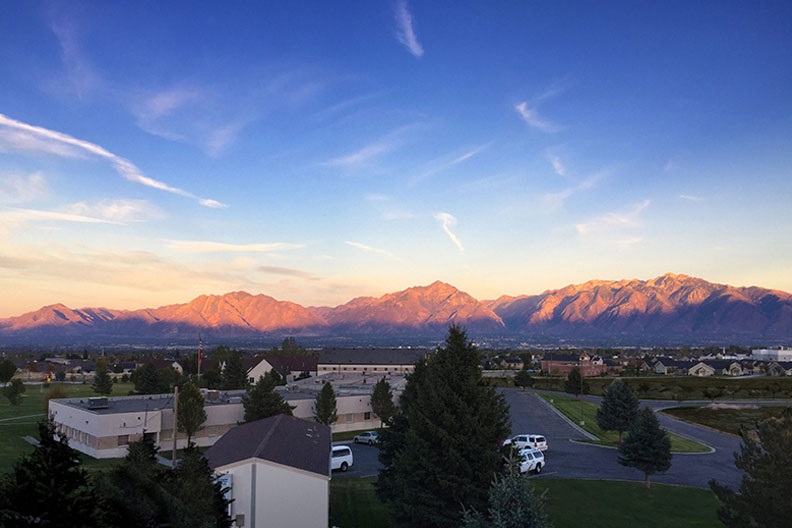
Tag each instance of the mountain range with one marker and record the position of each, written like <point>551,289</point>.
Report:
<point>665,310</point>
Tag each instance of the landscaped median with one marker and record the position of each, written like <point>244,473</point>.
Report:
<point>584,414</point>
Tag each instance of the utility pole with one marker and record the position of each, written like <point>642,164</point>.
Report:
<point>175,422</point>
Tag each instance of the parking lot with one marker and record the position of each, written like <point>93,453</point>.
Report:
<point>568,456</point>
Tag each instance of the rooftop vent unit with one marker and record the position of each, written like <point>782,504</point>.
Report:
<point>98,402</point>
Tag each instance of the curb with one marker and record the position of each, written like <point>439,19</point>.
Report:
<point>566,419</point>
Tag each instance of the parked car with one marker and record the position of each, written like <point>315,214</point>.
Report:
<point>369,437</point>
<point>341,458</point>
<point>533,441</point>
<point>531,460</point>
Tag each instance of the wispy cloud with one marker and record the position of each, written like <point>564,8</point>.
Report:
<point>627,219</point>
<point>15,188</point>
<point>81,77</point>
<point>447,221</point>
<point>16,135</point>
<point>447,162</point>
<point>17,216</point>
<point>371,249</point>
<point>117,210</point>
<point>691,198</point>
<point>405,32</point>
<point>558,166</point>
<point>532,117</point>
<point>288,272</point>
<point>200,246</point>
<point>362,157</point>
<point>557,199</point>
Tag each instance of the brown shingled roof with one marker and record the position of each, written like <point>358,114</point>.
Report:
<point>281,439</point>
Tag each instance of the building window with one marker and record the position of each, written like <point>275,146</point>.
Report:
<point>367,416</point>
<point>350,418</point>
<point>123,440</point>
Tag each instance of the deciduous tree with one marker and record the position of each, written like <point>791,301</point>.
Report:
<point>441,450</point>
<point>103,383</point>
<point>382,401</point>
<point>618,409</point>
<point>7,370</point>
<point>523,378</point>
<point>262,401</point>
<point>575,383</point>
<point>234,374</point>
<point>765,494</point>
<point>325,410</point>
<point>646,447</point>
<point>191,412</point>
<point>13,391</point>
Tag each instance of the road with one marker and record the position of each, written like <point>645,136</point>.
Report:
<point>568,457</point>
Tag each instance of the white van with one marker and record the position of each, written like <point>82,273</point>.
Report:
<point>341,458</point>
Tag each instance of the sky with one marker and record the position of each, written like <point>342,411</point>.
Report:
<point>151,152</point>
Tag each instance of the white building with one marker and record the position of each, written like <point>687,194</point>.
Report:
<point>278,470</point>
<point>103,427</point>
<point>782,354</point>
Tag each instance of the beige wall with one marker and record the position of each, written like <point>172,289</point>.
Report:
<point>284,497</point>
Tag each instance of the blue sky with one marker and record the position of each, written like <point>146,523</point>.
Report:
<point>318,151</point>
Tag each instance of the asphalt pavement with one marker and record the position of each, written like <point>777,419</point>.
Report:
<point>569,456</point>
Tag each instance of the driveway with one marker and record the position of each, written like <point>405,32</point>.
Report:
<point>567,457</point>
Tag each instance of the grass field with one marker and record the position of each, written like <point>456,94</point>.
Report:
<point>577,410</point>
<point>569,503</point>
<point>17,422</point>
<point>726,419</point>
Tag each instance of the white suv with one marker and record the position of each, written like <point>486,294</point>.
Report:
<point>341,458</point>
<point>531,460</point>
<point>533,441</point>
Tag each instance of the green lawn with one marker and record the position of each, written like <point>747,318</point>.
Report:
<point>16,422</point>
<point>569,503</point>
<point>577,410</point>
<point>726,419</point>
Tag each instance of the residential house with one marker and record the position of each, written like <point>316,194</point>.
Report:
<point>278,471</point>
<point>779,368</point>
<point>289,367</point>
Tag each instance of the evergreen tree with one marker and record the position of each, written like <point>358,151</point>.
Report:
<point>647,447</point>
<point>103,383</point>
<point>441,450</point>
<point>48,487</point>
<point>147,380</point>
<point>325,410</point>
<point>7,370</point>
<point>575,383</point>
<point>136,492</point>
<point>513,503</point>
<point>262,401</point>
<point>382,401</point>
<point>523,378</point>
<point>198,496</point>
<point>13,391</point>
<point>191,412</point>
<point>618,409</point>
<point>765,494</point>
<point>234,374</point>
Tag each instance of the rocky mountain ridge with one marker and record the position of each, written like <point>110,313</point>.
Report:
<point>666,308</point>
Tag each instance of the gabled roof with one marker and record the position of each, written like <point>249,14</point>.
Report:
<point>288,364</point>
<point>281,439</point>
<point>562,358</point>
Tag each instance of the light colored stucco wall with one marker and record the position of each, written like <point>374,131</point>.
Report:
<point>275,496</point>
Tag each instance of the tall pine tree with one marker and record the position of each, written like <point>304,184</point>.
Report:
<point>382,401</point>
<point>441,451</point>
<point>765,494</point>
<point>48,487</point>
<point>103,383</point>
<point>618,409</point>
<point>325,410</point>
<point>647,447</point>
<point>261,400</point>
